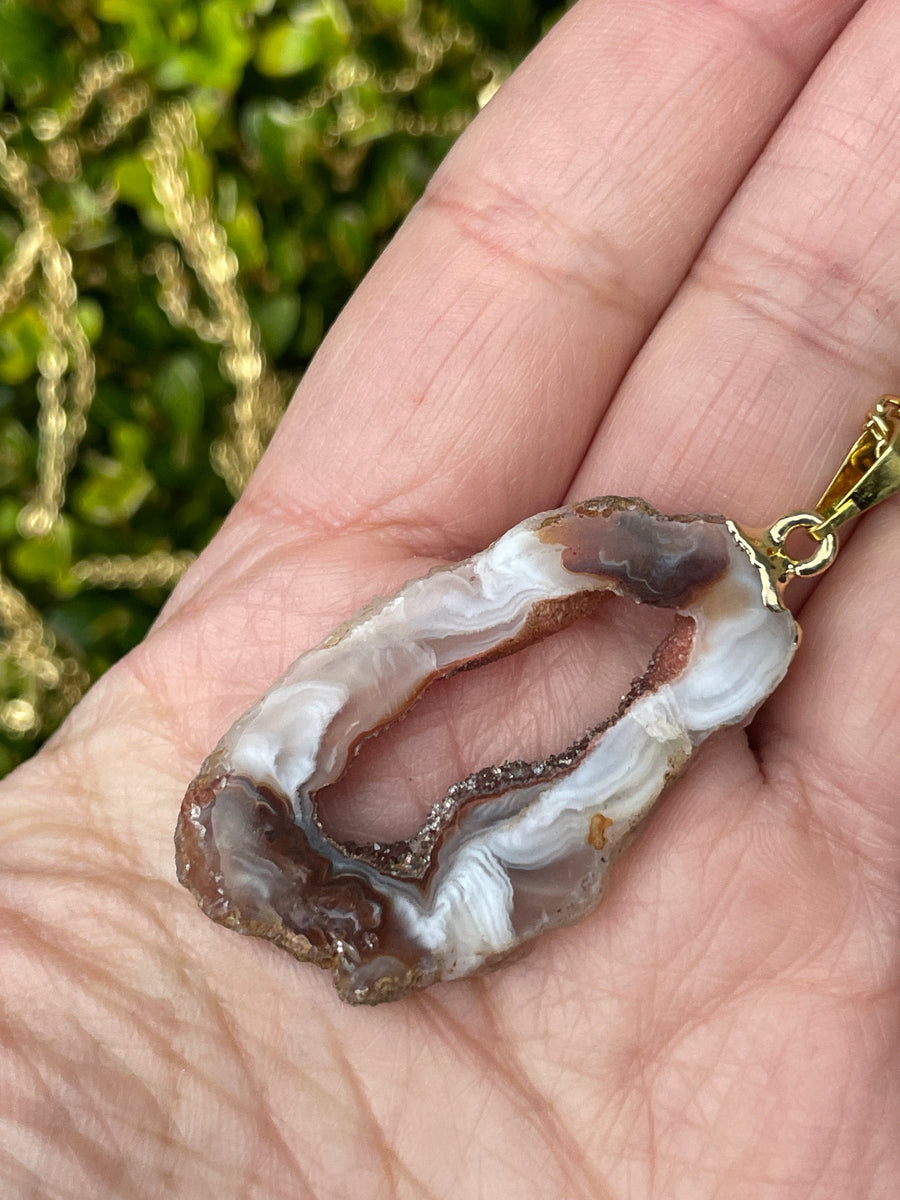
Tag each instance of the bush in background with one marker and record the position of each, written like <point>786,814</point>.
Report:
<point>189,192</point>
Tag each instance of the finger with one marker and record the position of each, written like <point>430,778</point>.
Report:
<point>754,382</point>
<point>763,368</point>
<point>460,388</point>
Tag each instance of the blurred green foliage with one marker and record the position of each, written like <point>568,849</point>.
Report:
<point>320,123</point>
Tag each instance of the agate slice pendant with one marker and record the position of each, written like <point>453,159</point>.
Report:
<point>520,847</point>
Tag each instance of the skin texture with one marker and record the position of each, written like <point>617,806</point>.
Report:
<point>663,262</point>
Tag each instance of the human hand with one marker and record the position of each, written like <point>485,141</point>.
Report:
<point>616,284</point>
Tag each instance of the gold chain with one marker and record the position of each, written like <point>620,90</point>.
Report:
<point>49,684</point>
<point>65,349</point>
<point>159,568</point>
<point>204,244</point>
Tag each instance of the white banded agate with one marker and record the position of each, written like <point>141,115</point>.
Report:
<point>516,848</point>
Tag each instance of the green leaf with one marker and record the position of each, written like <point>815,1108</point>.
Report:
<point>288,256</point>
<point>89,315</point>
<point>43,560</point>
<point>22,333</point>
<point>95,618</point>
<point>182,24</point>
<point>145,37</point>
<point>312,327</point>
<point>285,139</point>
<point>350,238</point>
<point>134,184</point>
<point>32,62</point>
<point>112,492</point>
<point>10,506</point>
<point>129,442</point>
<point>16,451</point>
<point>178,389</point>
<point>245,236</point>
<point>212,112</point>
<point>315,33</point>
<point>278,318</point>
<point>286,49</point>
<point>210,52</point>
<point>9,758</point>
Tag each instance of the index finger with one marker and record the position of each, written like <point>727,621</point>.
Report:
<point>461,386</point>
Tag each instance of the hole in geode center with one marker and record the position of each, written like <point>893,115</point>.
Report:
<point>534,703</point>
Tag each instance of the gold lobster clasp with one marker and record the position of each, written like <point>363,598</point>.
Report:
<point>869,474</point>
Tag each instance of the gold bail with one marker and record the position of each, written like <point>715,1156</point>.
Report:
<point>869,474</point>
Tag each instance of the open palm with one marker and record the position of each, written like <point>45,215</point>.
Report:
<point>664,262</point>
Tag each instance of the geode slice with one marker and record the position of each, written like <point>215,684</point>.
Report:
<point>514,849</point>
